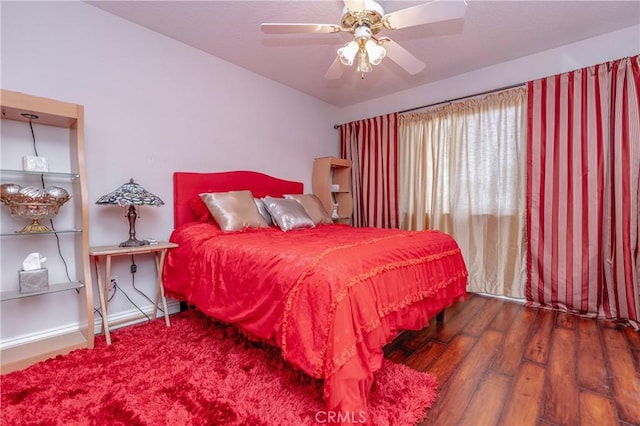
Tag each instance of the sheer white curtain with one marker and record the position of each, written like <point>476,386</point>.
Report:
<point>462,171</point>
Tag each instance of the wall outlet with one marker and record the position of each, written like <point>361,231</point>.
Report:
<point>113,282</point>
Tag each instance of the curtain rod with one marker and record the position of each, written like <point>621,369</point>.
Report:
<point>486,92</point>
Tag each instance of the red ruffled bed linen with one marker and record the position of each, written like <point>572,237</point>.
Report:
<point>330,297</point>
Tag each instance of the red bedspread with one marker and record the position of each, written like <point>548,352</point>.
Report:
<point>330,297</point>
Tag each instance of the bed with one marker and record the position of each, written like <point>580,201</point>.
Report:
<point>330,296</point>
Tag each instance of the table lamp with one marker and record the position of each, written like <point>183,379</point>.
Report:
<point>131,194</point>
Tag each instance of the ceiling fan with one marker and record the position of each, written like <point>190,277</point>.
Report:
<point>365,19</point>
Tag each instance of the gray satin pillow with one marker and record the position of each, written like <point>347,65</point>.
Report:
<point>313,207</point>
<point>263,211</point>
<point>234,210</point>
<point>288,214</point>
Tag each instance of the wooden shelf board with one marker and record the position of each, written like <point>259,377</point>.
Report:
<point>50,112</point>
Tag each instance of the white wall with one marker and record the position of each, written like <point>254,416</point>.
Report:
<point>611,46</point>
<point>152,106</point>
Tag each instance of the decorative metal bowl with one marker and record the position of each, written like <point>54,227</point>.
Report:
<point>33,203</point>
<point>9,189</point>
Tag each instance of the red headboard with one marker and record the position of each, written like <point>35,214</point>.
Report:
<point>188,185</point>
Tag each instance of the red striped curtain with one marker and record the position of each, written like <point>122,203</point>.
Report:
<point>583,184</point>
<point>372,145</point>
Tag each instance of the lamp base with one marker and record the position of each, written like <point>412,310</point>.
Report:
<point>133,242</point>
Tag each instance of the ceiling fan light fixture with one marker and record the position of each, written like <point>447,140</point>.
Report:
<point>363,62</point>
<point>375,52</point>
<point>365,19</point>
<point>347,53</point>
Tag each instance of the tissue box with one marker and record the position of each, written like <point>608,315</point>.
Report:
<point>32,163</point>
<point>33,281</point>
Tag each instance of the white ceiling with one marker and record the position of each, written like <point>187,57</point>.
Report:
<point>491,32</point>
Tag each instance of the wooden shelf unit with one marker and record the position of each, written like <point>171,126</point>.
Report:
<point>69,116</point>
<point>331,183</point>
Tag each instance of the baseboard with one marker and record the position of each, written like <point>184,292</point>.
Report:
<point>121,319</point>
<point>133,316</point>
<point>40,335</point>
<point>499,296</point>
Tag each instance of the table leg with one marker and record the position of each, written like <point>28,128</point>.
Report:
<point>107,283</point>
<point>160,288</point>
<point>103,297</point>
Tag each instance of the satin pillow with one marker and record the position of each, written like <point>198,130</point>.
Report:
<point>234,210</point>
<point>313,207</point>
<point>288,214</point>
<point>263,211</point>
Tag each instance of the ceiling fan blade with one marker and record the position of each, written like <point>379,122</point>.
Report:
<point>426,13</point>
<point>336,70</point>
<point>403,57</point>
<point>354,5</point>
<point>300,28</point>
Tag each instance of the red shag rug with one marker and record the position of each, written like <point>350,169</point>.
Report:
<point>197,372</point>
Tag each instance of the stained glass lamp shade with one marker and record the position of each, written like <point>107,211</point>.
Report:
<point>130,195</point>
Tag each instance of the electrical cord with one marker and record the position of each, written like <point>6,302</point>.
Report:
<point>53,228</point>
<point>110,297</point>
<point>117,287</point>
<point>66,267</point>
<point>112,291</point>
<point>133,282</point>
<point>33,136</point>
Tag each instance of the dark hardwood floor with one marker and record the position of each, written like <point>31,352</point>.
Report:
<point>500,363</point>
